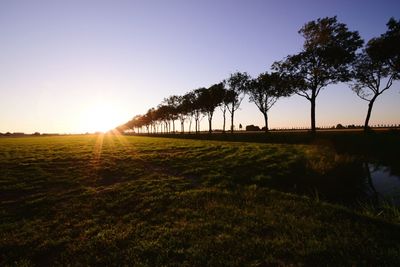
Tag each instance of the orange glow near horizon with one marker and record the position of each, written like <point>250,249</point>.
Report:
<point>101,117</point>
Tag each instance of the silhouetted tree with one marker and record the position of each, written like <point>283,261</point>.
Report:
<point>265,90</point>
<point>163,115</point>
<point>182,112</point>
<point>140,121</point>
<point>173,102</point>
<point>224,105</point>
<point>196,107</point>
<point>386,48</point>
<point>375,69</point>
<point>329,48</point>
<point>130,125</point>
<point>189,107</point>
<point>236,86</point>
<point>149,120</point>
<point>210,99</point>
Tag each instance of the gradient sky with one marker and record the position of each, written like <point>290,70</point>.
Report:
<point>63,62</point>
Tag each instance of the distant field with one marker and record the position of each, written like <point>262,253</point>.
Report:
<point>147,201</point>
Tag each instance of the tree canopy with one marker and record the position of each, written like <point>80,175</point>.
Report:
<point>386,48</point>
<point>329,48</point>
<point>210,99</point>
<point>236,86</point>
<point>265,90</point>
<point>375,69</point>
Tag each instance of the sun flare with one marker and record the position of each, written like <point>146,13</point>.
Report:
<point>100,118</point>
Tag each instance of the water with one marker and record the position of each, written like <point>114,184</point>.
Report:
<point>350,184</point>
<point>384,183</point>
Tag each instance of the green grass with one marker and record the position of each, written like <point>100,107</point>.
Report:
<point>143,201</point>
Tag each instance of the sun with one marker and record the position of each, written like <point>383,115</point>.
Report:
<point>100,117</point>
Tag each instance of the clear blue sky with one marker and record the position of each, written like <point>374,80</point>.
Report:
<point>63,61</point>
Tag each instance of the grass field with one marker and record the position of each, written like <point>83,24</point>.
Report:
<point>146,201</point>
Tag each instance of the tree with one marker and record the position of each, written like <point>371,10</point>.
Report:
<point>140,121</point>
<point>190,107</point>
<point>163,115</point>
<point>182,111</point>
<point>224,105</point>
<point>131,125</point>
<point>148,120</point>
<point>233,98</point>
<point>329,48</point>
<point>173,102</point>
<point>375,69</point>
<point>265,90</point>
<point>196,107</point>
<point>386,48</point>
<point>210,99</point>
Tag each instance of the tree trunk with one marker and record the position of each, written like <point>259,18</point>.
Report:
<point>173,125</point>
<point>224,115</point>
<point>312,100</point>
<point>232,114</point>
<point>182,126</point>
<point>209,123</point>
<point>232,121</point>
<point>370,105</point>
<point>266,121</point>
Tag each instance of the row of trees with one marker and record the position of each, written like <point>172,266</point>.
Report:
<point>203,102</point>
<point>331,54</point>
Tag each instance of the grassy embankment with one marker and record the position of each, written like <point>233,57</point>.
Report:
<point>83,200</point>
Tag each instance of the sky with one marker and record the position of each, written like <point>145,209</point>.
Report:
<point>82,66</point>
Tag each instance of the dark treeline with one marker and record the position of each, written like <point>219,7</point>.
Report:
<point>331,54</point>
<point>21,134</point>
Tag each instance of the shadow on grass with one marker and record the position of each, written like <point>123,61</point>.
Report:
<point>381,146</point>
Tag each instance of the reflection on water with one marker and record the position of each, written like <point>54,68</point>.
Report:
<point>351,184</point>
<point>384,184</point>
